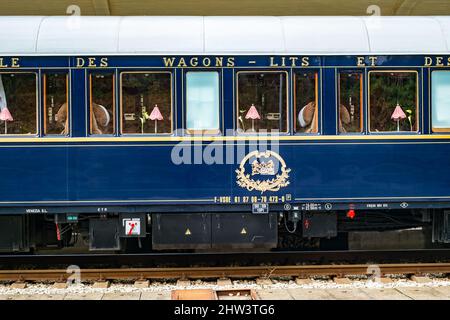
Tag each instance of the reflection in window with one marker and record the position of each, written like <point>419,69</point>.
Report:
<point>102,103</point>
<point>55,104</point>
<point>440,97</point>
<point>18,103</point>
<point>146,103</point>
<point>305,108</point>
<point>350,97</point>
<point>202,101</point>
<point>262,101</point>
<point>393,101</point>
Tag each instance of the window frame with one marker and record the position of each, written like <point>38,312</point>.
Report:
<point>418,112</point>
<point>114,101</point>
<point>44,74</point>
<point>37,133</point>
<point>172,111</point>
<point>236,106</point>
<point>361,97</point>
<point>430,113</point>
<point>317,79</point>
<point>220,130</point>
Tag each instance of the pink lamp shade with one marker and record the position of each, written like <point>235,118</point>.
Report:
<point>398,113</point>
<point>5,115</point>
<point>156,114</point>
<point>252,113</point>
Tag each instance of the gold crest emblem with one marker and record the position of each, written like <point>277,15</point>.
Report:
<point>265,168</point>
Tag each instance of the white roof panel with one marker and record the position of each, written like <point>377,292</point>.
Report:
<point>243,34</point>
<point>325,34</point>
<point>161,35</point>
<point>19,34</point>
<point>79,34</point>
<point>445,26</point>
<point>405,35</point>
<point>224,35</point>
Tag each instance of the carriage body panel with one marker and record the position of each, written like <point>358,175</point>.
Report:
<point>109,180</point>
<point>326,167</point>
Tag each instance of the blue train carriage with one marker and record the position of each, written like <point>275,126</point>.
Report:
<point>155,133</point>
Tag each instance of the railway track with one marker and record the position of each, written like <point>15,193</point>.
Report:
<point>225,272</point>
<point>303,264</point>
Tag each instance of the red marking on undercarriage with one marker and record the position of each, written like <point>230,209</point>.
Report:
<point>351,214</point>
<point>58,233</point>
<point>131,229</point>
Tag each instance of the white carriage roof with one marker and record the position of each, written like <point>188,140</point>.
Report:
<point>92,35</point>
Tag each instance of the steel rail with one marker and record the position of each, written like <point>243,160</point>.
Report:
<point>111,260</point>
<point>219,272</point>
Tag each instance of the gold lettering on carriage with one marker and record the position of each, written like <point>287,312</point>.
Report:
<point>10,63</point>
<point>437,62</point>
<point>361,61</point>
<point>268,172</point>
<point>289,61</point>
<point>92,62</point>
<point>202,62</point>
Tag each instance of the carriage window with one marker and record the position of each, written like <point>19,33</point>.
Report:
<point>306,102</point>
<point>393,101</point>
<point>102,102</point>
<point>146,102</point>
<point>18,103</point>
<point>262,101</point>
<point>55,104</point>
<point>350,97</point>
<point>202,101</point>
<point>440,97</point>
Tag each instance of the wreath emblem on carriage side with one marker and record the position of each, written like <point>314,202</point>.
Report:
<point>263,165</point>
